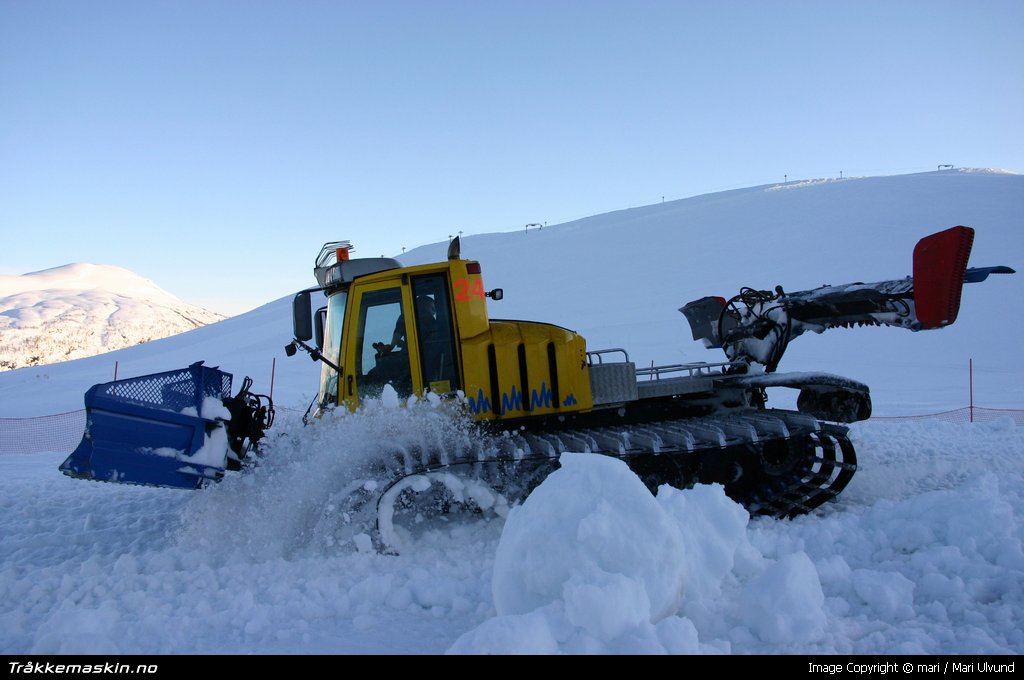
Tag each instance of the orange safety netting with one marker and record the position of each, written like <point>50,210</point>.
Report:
<point>63,431</point>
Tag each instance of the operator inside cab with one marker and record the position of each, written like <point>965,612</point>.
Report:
<point>391,360</point>
<point>426,324</point>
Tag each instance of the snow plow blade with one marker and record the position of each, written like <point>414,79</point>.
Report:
<point>151,430</point>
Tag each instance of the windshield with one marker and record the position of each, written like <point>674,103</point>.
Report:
<point>332,348</point>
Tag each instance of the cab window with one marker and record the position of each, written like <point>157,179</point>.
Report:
<point>332,348</point>
<point>435,331</point>
<point>382,357</point>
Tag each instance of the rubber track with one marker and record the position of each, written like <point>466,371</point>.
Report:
<point>784,463</point>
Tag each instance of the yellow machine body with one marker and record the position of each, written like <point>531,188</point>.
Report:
<point>426,329</point>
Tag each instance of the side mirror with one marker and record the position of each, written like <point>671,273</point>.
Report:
<point>302,322</point>
<point>320,322</point>
<point>496,294</point>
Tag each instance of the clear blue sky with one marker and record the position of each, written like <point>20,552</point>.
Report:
<point>214,145</point>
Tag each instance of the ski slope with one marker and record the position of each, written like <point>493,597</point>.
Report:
<point>922,554</point>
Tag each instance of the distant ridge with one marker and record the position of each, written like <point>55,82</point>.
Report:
<point>81,310</point>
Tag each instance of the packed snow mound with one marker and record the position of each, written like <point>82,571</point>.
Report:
<point>921,572</point>
<point>785,604</point>
<point>81,310</point>
<point>591,525</point>
<point>593,563</point>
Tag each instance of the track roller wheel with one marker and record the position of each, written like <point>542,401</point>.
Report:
<point>424,502</point>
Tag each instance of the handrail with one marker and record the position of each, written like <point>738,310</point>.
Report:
<point>695,369</point>
<point>599,354</point>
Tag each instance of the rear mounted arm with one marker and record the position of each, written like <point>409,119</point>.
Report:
<point>756,326</point>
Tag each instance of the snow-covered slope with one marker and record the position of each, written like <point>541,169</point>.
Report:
<point>620,278</point>
<point>81,310</point>
<point>921,554</point>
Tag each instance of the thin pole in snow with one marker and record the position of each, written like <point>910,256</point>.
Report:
<point>970,373</point>
<point>273,369</point>
<point>115,370</point>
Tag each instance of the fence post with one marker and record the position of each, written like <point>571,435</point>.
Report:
<point>970,380</point>
<point>273,369</point>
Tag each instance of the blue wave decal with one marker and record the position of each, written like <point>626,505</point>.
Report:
<point>516,400</point>
<point>512,402</point>
<point>481,403</point>
<point>541,400</point>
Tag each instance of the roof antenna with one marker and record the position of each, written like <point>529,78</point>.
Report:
<point>454,249</point>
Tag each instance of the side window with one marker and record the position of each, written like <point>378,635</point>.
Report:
<point>436,333</point>
<point>332,347</point>
<point>381,354</point>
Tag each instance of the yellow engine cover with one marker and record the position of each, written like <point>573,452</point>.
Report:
<point>520,369</point>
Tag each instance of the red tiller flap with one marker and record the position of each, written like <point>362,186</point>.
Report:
<point>940,261</point>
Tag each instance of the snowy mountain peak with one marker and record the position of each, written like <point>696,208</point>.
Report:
<point>84,276</point>
<point>81,309</point>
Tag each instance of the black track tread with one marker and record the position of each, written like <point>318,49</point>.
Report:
<point>825,463</point>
